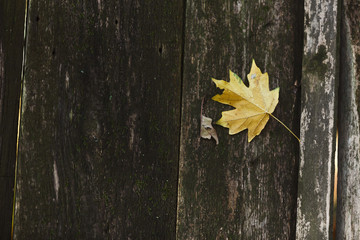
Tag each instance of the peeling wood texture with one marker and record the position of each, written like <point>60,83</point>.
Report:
<point>239,190</point>
<point>112,95</point>
<point>11,41</point>
<point>318,120</point>
<point>348,206</point>
<point>99,135</point>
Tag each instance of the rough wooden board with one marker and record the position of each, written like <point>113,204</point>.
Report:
<point>348,205</point>
<point>12,15</point>
<point>239,190</point>
<point>100,120</point>
<point>318,120</point>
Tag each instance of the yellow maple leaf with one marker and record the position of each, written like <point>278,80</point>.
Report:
<point>253,104</point>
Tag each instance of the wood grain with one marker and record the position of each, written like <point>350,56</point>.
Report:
<point>348,205</point>
<point>100,122</point>
<point>12,15</point>
<point>239,190</point>
<point>318,120</point>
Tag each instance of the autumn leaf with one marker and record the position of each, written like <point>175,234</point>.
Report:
<point>253,105</point>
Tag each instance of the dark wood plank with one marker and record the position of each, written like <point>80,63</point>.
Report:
<point>98,155</point>
<point>318,120</point>
<point>348,205</point>
<point>12,15</point>
<point>239,190</point>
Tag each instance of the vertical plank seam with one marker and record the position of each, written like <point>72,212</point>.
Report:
<point>27,2</point>
<point>181,110</point>
<point>337,109</point>
<point>298,65</point>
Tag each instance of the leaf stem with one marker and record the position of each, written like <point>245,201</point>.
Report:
<point>285,126</point>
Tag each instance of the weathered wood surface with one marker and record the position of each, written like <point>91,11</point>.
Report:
<point>348,205</point>
<point>239,190</point>
<point>99,137</point>
<point>11,42</point>
<point>318,120</point>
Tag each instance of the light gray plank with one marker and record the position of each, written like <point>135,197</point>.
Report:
<point>318,120</point>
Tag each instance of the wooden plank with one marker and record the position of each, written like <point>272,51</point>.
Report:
<point>12,15</point>
<point>98,155</point>
<point>318,120</point>
<point>348,205</point>
<point>239,190</point>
